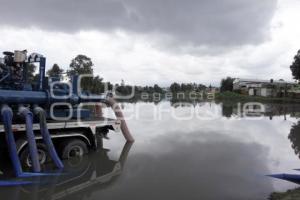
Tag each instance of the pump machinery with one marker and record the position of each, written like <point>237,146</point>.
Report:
<point>44,99</point>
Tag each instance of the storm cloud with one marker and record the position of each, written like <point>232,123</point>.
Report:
<point>191,22</point>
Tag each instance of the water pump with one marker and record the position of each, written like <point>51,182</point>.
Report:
<point>41,100</point>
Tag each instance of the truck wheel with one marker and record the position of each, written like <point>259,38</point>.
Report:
<point>43,155</point>
<point>73,148</point>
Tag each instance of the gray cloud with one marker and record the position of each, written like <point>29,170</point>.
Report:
<point>191,22</point>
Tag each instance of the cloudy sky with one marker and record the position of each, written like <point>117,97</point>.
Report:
<point>159,41</point>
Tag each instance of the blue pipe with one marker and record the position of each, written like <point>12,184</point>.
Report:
<point>45,97</point>
<point>31,139</point>
<point>7,116</point>
<point>23,97</point>
<point>294,178</point>
<point>46,137</point>
<point>14,183</point>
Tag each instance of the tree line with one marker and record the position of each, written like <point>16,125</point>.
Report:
<point>82,64</point>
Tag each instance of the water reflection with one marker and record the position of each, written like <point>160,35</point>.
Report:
<point>217,158</point>
<point>294,137</point>
<point>82,177</point>
<point>200,165</point>
<point>270,110</point>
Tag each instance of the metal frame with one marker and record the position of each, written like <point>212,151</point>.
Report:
<point>65,127</point>
<point>92,125</point>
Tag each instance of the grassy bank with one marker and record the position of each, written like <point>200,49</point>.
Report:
<point>232,96</point>
<point>289,195</point>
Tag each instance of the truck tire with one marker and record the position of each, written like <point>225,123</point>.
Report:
<point>73,148</point>
<point>43,155</point>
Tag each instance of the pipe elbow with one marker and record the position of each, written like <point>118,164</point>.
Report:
<point>6,109</point>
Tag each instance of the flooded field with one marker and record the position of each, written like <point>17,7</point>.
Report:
<point>183,151</point>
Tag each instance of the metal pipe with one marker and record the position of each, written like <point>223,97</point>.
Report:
<point>7,115</point>
<point>294,178</point>
<point>44,98</point>
<point>46,136</point>
<point>14,183</point>
<point>22,97</point>
<point>3,78</point>
<point>31,139</point>
<point>119,114</point>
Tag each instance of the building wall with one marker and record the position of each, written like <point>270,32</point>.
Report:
<point>266,92</point>
<point>251,92</point>
<point>254,92</point>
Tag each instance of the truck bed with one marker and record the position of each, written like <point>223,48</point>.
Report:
<point>74,123</point>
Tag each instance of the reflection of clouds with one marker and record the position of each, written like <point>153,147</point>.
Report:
<point>272,134</point>
<point>206,166</point>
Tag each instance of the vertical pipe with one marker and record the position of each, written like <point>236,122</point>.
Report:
<point>31,139</point>
<point>46,137</point>
<point>7,116</point>
<point>118,112</point>
<point>42,73</point>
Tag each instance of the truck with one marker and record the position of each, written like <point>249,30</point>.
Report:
<point>49,119</point>
<point>71,138</point>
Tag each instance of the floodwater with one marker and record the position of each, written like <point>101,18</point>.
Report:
<point>183,151</point>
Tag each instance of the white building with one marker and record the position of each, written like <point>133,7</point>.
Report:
<point>265,88</point>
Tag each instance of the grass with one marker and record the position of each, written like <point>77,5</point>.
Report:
<point>289,195</point>
<point>230,96</point>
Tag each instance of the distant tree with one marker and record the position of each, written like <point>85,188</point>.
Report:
<point>150,89</point>
<point>183,87</point>
<point>55,71</point>
<point>97,86</point>
<point>157,89</point>
<point>82,65</point>
<point>227,84</point>
<point>31,77</point>
<point>295,67</point>
<point>175,87</point>
<point>200,87</point>
<point>189,87</point>
<point>122,90</point>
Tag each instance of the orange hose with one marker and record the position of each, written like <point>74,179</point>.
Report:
<point>119,114</point>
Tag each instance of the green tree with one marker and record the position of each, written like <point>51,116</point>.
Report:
<point>227,84</point>
<point>55,71</point>
<point>82,65</point>
<point>97,86</point>
<point>31,77</point>
<point>157,89</point>
<point>201,87</point>
<point>295,67</point>
<point>175,87</point>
